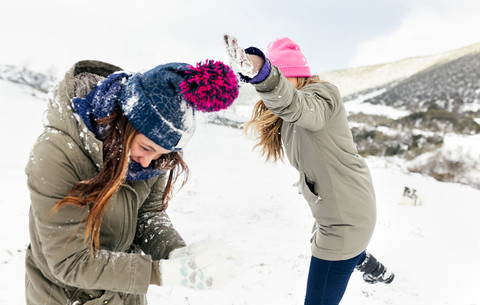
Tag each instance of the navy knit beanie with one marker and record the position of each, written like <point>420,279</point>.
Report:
<point>161,102</point>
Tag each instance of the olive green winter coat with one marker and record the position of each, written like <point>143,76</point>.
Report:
<point>334,179</point>
<point>60,268</point>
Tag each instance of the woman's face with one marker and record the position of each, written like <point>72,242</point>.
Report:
<point>144,151</point>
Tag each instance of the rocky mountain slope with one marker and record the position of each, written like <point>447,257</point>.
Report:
<point>453,86</point>
<point>355,80</point>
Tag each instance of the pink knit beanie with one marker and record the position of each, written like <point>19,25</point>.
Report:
<point>285,54</point>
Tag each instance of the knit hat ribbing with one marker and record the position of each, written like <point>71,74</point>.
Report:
<point>285,54</point>
<point>161,103</point>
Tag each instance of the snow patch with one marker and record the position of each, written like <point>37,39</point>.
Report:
<point>357,105</point>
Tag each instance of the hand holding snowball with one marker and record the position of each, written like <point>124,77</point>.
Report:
<point>202,265</point>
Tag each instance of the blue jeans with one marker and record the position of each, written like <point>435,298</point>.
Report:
<point>327,280</point>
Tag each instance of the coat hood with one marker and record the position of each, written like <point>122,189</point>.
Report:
<point>61,116</point>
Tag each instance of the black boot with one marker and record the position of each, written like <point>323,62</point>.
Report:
<point>374,271</point>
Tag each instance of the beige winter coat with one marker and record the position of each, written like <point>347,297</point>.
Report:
<point>59,266</point>
<point>334,179</point>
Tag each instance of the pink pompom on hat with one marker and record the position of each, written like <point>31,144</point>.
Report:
<point>285,54</point>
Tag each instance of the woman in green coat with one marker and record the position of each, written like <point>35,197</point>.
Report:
<point>304,118</point>
<point>101,176</point>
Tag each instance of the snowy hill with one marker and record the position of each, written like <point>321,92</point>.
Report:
<point>453,86</point>
<point>234,196</point>
<point>355,80</point>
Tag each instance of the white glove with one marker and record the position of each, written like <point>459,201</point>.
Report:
<point>202,265</point>
<point>239,60</point>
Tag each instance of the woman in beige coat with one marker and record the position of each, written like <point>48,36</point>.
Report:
<point>304,118</point>
<point>101,176</point>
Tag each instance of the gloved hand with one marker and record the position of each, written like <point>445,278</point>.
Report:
<point>249,62</point>
<point>239,61</point>
<point>202,265</point>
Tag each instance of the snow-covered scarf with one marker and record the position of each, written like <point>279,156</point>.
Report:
<point>101,102</point>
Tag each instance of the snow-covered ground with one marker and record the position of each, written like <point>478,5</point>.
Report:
<point>236,197</point>
<point>357,105</point>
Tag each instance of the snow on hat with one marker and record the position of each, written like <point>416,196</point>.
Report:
<point>285,54</point>
<point>161,102</point>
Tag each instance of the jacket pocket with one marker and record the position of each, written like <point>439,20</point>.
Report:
<point>82,296</point>
<point>307,188</point>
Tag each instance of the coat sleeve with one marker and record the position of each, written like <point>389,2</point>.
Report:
<point>155,234</point>
<point>58,240</point>
<point>310,107</point>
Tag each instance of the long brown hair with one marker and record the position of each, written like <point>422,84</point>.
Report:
<point>97,191</point>
<point>265,126</point>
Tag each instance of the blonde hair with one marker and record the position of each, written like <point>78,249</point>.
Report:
<point>265,126</point>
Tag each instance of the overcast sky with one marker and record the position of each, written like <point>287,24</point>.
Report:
<point>50,35</point>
